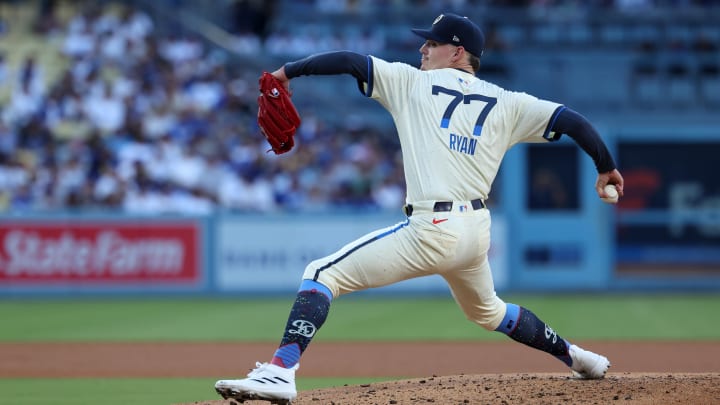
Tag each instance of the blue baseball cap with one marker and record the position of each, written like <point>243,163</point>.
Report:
<point>453,29</point>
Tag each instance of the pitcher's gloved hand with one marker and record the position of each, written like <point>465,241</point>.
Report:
<point>277,117</point>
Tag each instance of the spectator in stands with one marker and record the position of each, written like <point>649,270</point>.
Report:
<point>34,135</point>
<point>105,111</point>
<point>109,188</point>
<point>8,140</point>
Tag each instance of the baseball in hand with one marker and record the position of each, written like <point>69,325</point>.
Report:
<point>612,193</point>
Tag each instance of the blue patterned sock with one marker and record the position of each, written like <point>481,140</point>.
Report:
<point>521,325</point>
<point>307,315</point>
<point>286,356</point>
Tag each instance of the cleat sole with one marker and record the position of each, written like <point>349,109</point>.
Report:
<point>250,396</point>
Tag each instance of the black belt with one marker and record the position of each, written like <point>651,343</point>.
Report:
<point>445,206</point>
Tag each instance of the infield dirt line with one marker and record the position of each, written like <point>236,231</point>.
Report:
<point>332,359</point>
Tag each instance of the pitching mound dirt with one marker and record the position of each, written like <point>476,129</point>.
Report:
<point>526,389</point>
<point>657,373</point>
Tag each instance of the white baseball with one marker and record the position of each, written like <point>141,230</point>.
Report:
<point>612,193</point>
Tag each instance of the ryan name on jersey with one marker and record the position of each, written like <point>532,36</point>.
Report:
<point>462,144</point>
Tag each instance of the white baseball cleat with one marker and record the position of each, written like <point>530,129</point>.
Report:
<point>587,365</point>
<point>267,382</point>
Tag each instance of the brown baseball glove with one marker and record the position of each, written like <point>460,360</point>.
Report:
<point>277,117</point>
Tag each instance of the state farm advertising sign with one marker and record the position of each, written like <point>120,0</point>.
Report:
<point>99,251</point>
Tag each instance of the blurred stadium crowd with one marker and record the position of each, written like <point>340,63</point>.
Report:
<point>159,124</point>
<point>155,122</point>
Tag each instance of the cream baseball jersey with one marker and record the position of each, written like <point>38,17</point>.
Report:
<point>455,128</point>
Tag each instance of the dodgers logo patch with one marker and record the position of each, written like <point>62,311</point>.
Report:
<point>303,328</point>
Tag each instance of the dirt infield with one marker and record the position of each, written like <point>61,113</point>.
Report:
<point>434,372</point>
<point>525,389</point>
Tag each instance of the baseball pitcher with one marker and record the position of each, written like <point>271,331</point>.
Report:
<point>454,130</point>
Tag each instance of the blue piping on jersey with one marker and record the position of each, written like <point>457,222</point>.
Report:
<point>365,243</point>
<point>554,117</point>
<point>370,82</point>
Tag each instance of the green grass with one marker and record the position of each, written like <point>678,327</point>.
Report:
<point>130,391</point>
<point>598,317</point>
<point>364,318</point>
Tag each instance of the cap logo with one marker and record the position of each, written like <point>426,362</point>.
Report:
<point>437,20</point>
<point>455,38</point>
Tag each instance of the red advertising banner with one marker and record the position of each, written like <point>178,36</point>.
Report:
<point>99,251</point>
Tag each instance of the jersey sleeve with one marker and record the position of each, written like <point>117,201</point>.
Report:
<point>534,119</point>
<point>389,83</point>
